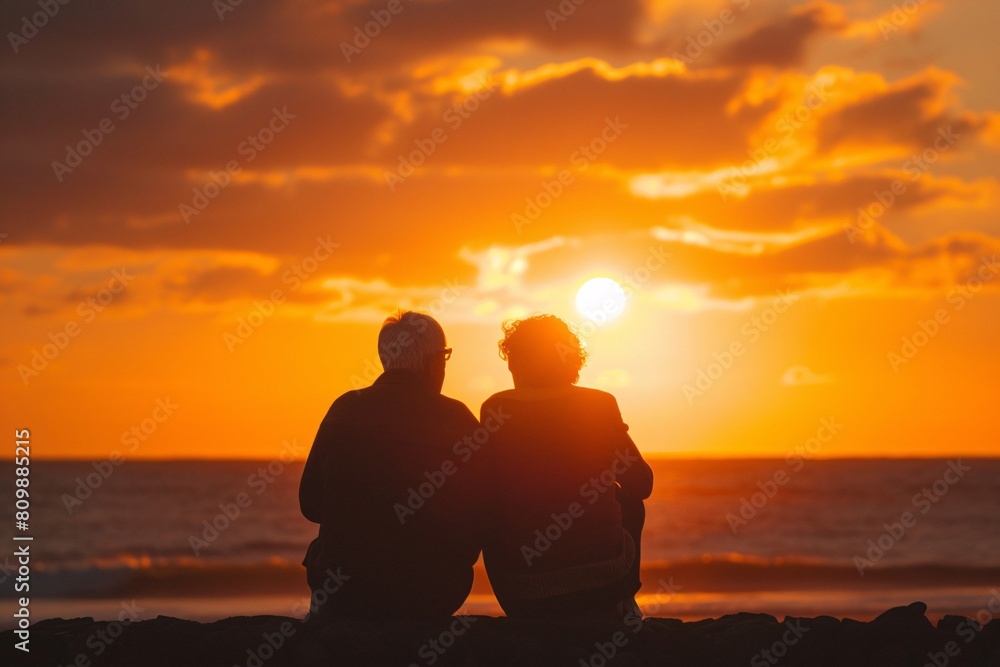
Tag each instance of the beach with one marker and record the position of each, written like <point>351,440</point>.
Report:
<point>153,534</point>
<point>153,561</point>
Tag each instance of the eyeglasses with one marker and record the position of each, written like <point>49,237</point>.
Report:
<point>447,353</point>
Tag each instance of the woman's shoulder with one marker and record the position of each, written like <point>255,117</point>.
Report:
<point>595,396</point>
<point>500,396</point>
<point>585,396</point>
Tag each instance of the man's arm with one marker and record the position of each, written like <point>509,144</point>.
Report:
<point>311,486</point>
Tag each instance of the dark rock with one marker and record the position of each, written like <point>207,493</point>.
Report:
<point>903,618</point>
<point>900,637</point>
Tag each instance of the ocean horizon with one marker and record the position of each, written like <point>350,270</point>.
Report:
<point>208,539</point>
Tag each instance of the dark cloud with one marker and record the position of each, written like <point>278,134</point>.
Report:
<point>220,284</point>
<point>167,131</point>
<point>371,111</point>
<point>782,43</point>
<point>305,36</point>
<point>449,24</point>
<point>912,114</point>
<point>672,121</point>
<point>734,269</point>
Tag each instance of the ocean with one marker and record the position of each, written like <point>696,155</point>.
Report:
<point>209,539</point>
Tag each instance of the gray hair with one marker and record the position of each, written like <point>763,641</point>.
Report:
<point>407,339</point>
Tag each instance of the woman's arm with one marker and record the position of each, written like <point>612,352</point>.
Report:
<point>633,473</point>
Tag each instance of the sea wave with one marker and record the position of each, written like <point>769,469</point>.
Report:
<point>139,575</point>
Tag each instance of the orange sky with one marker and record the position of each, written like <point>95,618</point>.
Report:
<point>207,217</point>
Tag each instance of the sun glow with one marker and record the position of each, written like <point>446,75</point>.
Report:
<point>600,299</point>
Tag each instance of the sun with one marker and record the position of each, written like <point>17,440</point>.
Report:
<point>600,299</point>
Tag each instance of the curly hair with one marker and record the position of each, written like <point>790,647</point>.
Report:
<point>545,348</point>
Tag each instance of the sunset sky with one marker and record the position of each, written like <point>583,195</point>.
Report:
<point>209,208</point>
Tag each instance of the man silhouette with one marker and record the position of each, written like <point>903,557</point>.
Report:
<point>399,511</point>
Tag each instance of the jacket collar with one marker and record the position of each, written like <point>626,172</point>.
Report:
<point>401,376</point>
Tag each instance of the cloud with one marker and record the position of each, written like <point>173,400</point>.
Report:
<point>899,18</point>
<point>306,36</point>
<point>221,283</point>
<point>782,42</point>
<point>912,114</point>
<point>681,132</point>
<point>682,267</point>
<point>667,118</point>
<point>735,266</point>
<point>449,24</point>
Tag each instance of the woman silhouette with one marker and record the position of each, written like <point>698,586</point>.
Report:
<point>567,483</point>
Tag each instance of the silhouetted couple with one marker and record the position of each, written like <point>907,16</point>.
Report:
<point>408,486</point>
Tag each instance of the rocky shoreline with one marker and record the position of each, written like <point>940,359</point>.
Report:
<point>900,637</point>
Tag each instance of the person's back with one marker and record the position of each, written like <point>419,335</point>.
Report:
<point>398,509</point>
<point>567,483</point>
<point>561,452</point>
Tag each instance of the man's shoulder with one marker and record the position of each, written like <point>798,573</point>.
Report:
<point>368,395</point>
<point>349,398</point>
